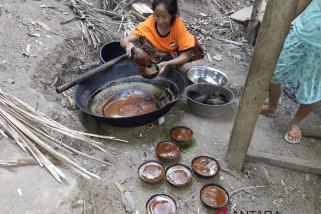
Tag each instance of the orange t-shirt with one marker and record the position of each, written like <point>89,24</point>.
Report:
<point>179,38</point>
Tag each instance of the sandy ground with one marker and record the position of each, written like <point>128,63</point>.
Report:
<point>32,79</point>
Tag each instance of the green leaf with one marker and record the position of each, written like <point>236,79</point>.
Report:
<point>119,187</point>
<point>190,146</point>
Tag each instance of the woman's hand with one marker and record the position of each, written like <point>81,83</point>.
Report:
<point>162,66</point>
<point>128,44</point>
<point>180,60</point>
<point>129,48</point>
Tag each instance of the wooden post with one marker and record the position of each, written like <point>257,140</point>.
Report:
<point>274,29</point>
<point>251,29</point>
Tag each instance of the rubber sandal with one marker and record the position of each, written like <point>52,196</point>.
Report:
<point>293,137</point>
<point>266,113</point>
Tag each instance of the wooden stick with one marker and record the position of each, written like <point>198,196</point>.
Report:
<point>230,173</point>
<point>17,163</point>
<point>57,143</point>
<point>93,203</point>
<point>245,188</point>
<point>137,15</point>
<point>108,13</point>
<point>90,73</point>
<point>253,23</point>
<point>230,41</point>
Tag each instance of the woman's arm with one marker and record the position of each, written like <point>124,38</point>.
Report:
<point>181,59</point>
<point>127,43</point>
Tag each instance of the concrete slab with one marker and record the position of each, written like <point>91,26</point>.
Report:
<point>308,166</point>
<point>268,145</point>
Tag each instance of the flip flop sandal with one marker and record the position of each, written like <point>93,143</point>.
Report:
<point>266,113</point>
<point>293,137</point>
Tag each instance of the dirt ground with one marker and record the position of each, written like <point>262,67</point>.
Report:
<point>61,51</point>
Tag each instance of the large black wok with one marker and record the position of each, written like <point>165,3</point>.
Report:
<point>169,87</point>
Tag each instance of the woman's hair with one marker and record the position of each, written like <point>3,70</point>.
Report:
<point>170,5</point>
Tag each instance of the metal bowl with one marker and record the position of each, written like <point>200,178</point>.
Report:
<point>206,110</point>
<point>205,74</point>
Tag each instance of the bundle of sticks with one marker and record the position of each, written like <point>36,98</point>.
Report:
<point>116,5</point>
<point>37,133</point>
<point>93,28</point>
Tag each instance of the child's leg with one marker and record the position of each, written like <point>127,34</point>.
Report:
<point>275,93</point>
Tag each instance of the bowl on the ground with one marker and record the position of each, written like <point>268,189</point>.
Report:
<point>161,204</point>
<point>205,167</point>
<point>182,135</point>
<point>167,150</point>
<point>151,172</point>
<point>205,74</point>
<point>178,175</point>
<point>214,196</point>
<point>218,102</point>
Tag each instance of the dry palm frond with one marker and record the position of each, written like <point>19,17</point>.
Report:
<point>34,132</point>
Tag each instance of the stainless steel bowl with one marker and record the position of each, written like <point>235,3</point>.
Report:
<point>206,110</point>
<point>205,74</point>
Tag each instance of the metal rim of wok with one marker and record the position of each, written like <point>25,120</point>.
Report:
<point>86,90</point>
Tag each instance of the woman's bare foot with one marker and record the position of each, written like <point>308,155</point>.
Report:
<point>268,111</point>
<point>294,134</point>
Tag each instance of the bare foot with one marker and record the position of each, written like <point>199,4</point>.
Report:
<point>294,127</point>
<point>294,134</point>
<point>268,111</point>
